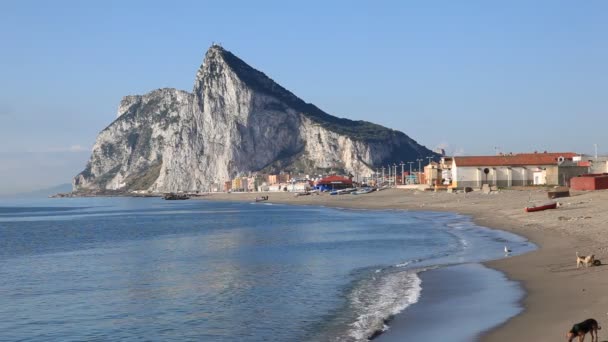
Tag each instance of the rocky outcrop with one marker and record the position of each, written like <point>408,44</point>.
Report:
<point>236,120</point>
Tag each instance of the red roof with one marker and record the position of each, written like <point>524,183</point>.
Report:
<point>334,180</point>
<point>520,159</point>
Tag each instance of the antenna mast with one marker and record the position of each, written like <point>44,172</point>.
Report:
<point>595,146</point>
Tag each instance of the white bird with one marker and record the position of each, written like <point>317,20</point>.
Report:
<point>507,251</point>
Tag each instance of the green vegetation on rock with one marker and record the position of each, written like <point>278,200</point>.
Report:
<point>357,130</point>
<point>144,179</point>
<point>103,180</point>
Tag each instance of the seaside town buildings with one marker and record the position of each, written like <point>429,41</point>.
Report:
<point>502,170</point>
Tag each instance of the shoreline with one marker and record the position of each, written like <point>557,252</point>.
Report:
<point>557,294</point>
<point>449,305</point>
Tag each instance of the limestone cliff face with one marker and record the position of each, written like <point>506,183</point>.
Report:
<point>236,120</point>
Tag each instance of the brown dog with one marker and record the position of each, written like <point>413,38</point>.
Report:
<point>588,260</point>
<point>581,329</point>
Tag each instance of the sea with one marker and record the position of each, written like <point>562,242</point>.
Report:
<point>146,269</point>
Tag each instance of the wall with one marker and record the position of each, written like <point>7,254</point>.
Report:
<point>499,176</point>
<point>298,187</point>
<point>599,167</point>
<point>589,182</point>
<point>272,179</point>
<point>568,172</point>
<point>560,175</point>
<point>278,187</point>
<point>552,173</point>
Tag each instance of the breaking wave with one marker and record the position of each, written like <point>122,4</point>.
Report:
<point>374,300</point>
<point>378,300</point>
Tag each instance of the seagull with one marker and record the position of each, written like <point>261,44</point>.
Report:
<point>507,251</point>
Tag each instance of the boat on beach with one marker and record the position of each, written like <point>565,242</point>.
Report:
<point>363,191</point>
<point>545,206</point>
<point>261,198</point>
<point>342,191</point>
<point>302,193</point>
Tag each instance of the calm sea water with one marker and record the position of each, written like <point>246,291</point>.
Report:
<point>144,269</point>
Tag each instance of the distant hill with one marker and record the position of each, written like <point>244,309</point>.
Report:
<point>42,192</point>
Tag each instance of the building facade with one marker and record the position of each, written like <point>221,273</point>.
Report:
<point>237,184</point>
<point>511,170</point>
<point>273,179</point>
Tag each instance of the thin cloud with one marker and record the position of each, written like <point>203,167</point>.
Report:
<point>78,148</point>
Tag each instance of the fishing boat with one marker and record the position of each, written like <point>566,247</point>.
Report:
<point>261,198</point>
<point>173,196</point>
<point>362,191</point>
<point>342,191</point>
<point>549,205</point>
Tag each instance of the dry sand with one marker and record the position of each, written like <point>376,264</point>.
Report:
<point>558,294</point>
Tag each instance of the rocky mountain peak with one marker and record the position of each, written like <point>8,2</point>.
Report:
<point>212,63</point>
<point>236,121</point>
<point>219,62</point>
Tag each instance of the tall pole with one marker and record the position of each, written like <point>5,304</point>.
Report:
<point>395,174</point>
<point>430,180</point>
<point>595,147</point>
<point>410,167</point>
<point>402,176</point>
<point>357,172</point>
<point>375,176</point>
<point>419,160</point>
<point>389,175</point>
<point>383,175</point>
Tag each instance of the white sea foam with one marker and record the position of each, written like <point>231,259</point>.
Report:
<point>407,263</point>
<point>380,298</point>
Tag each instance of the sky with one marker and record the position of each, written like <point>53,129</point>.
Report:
<point>473,77</point>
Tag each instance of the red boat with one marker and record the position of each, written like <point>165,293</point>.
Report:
<point>551,205</point>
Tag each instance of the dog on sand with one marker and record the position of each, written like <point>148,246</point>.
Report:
<point>581,329</point>
<point>588,260</point>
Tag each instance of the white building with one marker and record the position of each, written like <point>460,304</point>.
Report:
<point>299,186</point>
<point>597,164</point>
<point>291,187</point>
<point>511,169</point>
<point>278,187</point>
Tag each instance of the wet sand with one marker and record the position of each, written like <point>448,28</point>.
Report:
<point>457,303</point>
<point>557,293</point>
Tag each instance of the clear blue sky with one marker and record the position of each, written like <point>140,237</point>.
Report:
<point>467,75</point>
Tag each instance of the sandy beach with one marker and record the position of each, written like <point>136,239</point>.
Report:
<point>557,293</point>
